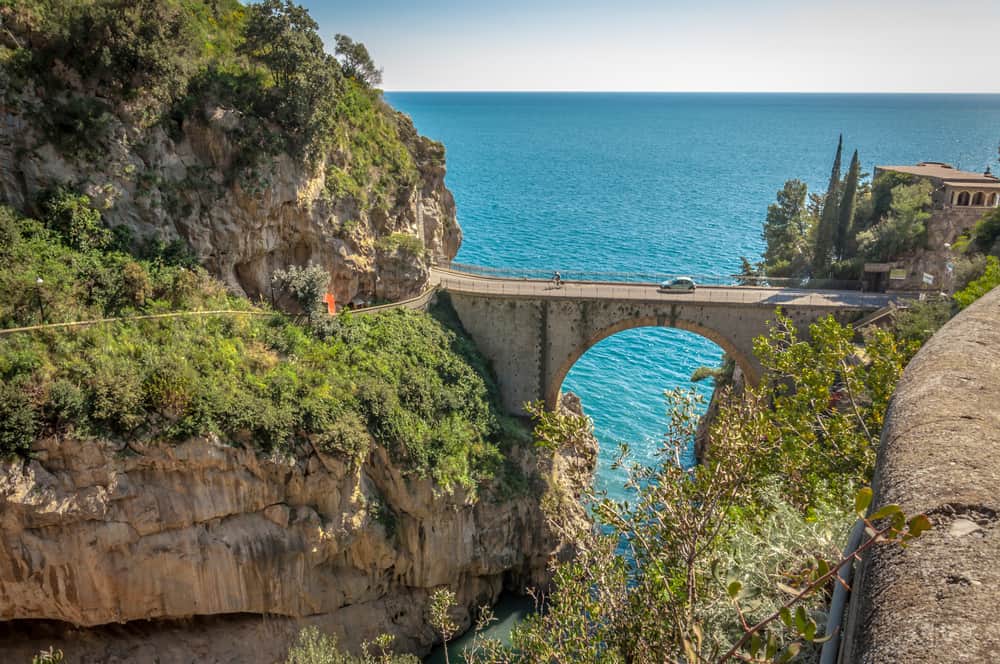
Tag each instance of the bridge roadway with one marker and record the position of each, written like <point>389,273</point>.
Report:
<point>532,332</point>
<point>835,300</point>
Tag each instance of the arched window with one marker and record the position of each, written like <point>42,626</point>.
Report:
<point>995,200</point>
<point>963,198</point>
<point>979,199</point>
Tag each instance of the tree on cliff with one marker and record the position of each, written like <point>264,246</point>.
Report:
<point>124,49</point>
<point>306,285</point>
<point>357,62</point>
<point>881,203</point>
<point>282,36</point>
<point>848,205</point>
<point>904,228</point>
<point>827,229</point>
<point>786,231</point>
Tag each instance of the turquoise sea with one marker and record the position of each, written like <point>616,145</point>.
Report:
<point>675,183</point>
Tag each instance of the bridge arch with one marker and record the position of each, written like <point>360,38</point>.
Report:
<point>554,387</point>
<point>532,334</point>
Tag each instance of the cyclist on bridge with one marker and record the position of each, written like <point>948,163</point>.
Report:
<point>557,279</point>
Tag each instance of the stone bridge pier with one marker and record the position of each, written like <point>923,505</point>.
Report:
<point>533,342</point>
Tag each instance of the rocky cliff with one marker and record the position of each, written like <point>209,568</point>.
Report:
<point>242,230</point>
<point>247,549</point>
<point>228,128</point>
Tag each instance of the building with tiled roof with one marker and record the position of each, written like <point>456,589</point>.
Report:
<point>952,187</point>
<point>960,199</point>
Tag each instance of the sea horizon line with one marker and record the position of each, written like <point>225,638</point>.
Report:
<point>700,92</point>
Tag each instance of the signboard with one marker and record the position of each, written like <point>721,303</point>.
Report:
<point>928,279</point>
<point>897,274</point>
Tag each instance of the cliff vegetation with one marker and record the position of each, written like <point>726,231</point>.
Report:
<point>730,560</point>
<point>327,469</point>
<point>229,129</point>
<point>829,235</point>
<point>402,380</point>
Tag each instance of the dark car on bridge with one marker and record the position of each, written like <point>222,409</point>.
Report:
<point>683,284</point>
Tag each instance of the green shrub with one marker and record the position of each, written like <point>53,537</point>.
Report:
<point>50,656</point>
<point>346,435</point>
<point>981,286</point>
<point>922,319</point>
<point>18,419</point>
<point>79,126</point>
<point>315,647</point>
<point>75,221</point>
<point>701,373</point>
<point>66,403</point>
<point>404,242</point>
<point>985,235</point>
<point>10,231</point>
<point>307,285</point>
<point>904,228</point>
<point>116,394</point>
<point>410,382</point>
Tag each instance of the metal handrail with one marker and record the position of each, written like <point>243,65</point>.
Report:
<point>654,277</point>
<point>773,297</point>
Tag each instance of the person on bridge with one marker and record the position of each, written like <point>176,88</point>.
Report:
<point>557,279</point>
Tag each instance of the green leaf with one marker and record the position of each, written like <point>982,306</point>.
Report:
<point>898,521</point>
<point>918,524</point>
<point>786,616</point>
<point>790,652</point>
<point>822,568</point>
<point>772,646</point>
<point>734,589</point>
<point>888,510</point>
<point>810,631</point>
<point>800,619</point>
<point>862,499</point>
<point>755,644</point>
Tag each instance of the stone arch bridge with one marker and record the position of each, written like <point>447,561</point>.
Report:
<point>533,332</point>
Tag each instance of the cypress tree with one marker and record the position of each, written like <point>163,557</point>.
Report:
<point>827,228</point>
<point>848,204</point>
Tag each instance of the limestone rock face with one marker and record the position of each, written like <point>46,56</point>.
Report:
<point>702,436</point>
<point>242,223</point>
<point>94,533</point>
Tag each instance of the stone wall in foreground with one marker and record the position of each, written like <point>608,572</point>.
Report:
<point>937,600</point>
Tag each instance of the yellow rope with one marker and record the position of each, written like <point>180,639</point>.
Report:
<point>97,321</point>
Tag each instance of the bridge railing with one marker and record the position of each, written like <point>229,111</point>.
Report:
<point>653,277</point>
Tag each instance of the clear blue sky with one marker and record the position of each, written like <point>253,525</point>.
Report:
<point>683,45</point>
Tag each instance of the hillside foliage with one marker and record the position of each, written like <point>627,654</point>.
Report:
<point>695,565</point>
<point>830,235</point>
<point>163,62</point>
<point>406,381</point>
